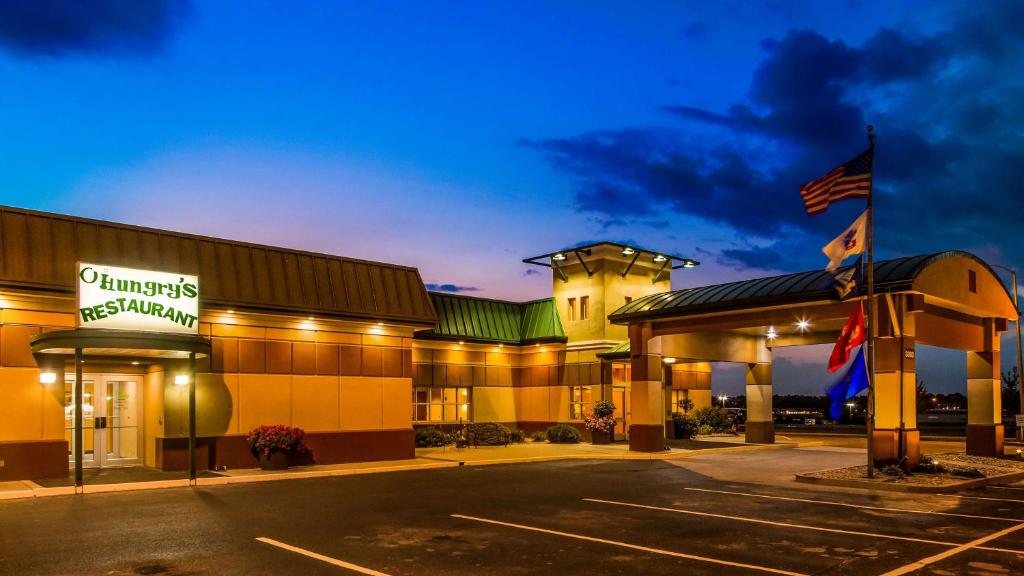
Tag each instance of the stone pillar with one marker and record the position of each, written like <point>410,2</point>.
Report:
<point>896,437</point>
<point>760,426</point>
<point>984,400</point>
<point>646,396</point>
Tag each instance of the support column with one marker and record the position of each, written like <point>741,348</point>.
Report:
<point>79,435</point>
<point>896,437</point>
<point>760,427</point>
<point>984,399</point>
<point>646,396</point>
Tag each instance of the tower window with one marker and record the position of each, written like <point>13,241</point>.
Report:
<point>972,281</point>
<point>571,310</point>
<point>584,307</point>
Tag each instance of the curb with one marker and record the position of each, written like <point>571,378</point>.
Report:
<point>911,488</point>
<point>436,463</point>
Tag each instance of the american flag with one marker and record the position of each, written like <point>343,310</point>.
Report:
<point>850,180</point>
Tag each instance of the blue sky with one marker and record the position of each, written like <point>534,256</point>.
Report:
<point>460,137</point>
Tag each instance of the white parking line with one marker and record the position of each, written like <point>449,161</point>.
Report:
<point>630,546</point>
<point>861,506</point>
<point>321,557</point>
<point>914,566</point>
<point>986,498</point>
<point>797,526</point>
<point>1007,487</point>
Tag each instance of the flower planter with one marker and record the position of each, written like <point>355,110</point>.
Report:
<point>602,437</point>
<point>276,461</point>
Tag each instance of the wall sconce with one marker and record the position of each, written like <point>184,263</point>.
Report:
<point>47,377</point>
<point>180,379</point>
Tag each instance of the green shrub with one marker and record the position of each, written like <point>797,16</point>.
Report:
<point>539,436</point>
<point>488,434</point>
<point>716,419</point>
<point>517,436</point>
<point>604,409</point>
<point>431,437</point>
<point>563,434</point>
<point>685,425</point>
<point>894,471</point>
<point>928,465</point>
<point>686,405</point>
<point>967,472</point>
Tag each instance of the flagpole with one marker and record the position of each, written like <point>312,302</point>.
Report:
<point>870,320</point>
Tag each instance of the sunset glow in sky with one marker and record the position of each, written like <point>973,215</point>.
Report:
<point>461,137</point>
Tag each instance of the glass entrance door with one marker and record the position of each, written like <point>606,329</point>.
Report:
<point>110,415</point>
<point>620,397</point>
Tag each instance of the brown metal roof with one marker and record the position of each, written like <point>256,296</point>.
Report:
<point>39,250</point>
<point>893,275</point>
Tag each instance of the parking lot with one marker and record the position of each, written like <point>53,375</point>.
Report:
<point>643,517</point>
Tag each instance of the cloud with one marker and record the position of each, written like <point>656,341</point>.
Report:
<point>950,122</point>
<point>451,288</point>
<point>56,28</point>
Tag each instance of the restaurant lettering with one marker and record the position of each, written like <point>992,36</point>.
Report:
<point>128,299</point>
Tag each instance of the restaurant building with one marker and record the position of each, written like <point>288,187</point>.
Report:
<point>356,353</point>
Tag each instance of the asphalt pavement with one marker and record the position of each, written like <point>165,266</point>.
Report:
<point>571,517</point>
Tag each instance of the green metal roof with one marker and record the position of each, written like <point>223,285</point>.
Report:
<point>620,350</point>
<point>494,321</point>
<point>893,275</point>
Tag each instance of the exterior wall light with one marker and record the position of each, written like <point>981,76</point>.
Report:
<point>772,334</point>
<point>689,264</point>
<point>558,257</point>
<point>669,360</point>
<point>627,251</point>
<point>803,325</point>
<point>180,379</point>
<point>47,377</point>
<point>660,258</point>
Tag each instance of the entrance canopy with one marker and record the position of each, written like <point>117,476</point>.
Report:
<point>120,343</point>
<point>955,292</point>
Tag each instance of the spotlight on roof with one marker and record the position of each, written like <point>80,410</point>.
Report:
<point>558,257</point>
<point>659,258</point>
<point>689,264</point>
<point>627,251</point>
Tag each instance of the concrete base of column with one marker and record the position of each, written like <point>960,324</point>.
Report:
<point>760,432</point>
<point>670,429</point>
<point>646,437</point>
<point>887,447</point>
<point>985,439</point>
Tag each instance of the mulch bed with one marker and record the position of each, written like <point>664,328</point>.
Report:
<point>954,461</point>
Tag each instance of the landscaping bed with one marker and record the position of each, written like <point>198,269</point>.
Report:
<point>947,472</point>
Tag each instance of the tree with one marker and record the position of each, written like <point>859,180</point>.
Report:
<point>1011,398</point>
<point>923,397</point>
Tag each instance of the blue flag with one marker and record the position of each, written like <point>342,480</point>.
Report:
<point>850,383</point>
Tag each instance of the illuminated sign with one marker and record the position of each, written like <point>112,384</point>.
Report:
<point>128,299</point>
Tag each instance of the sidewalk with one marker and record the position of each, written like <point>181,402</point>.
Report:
<point>128,479</point>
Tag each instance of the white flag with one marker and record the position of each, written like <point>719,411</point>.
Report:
<point>850,242</point>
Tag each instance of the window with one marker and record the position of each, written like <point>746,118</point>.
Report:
<point>629,299</point>
<point>678,399</point>
<point>972,281</point>
<point>579,401</point>
<point>440,404</point>
<point>572,309</point>
<point>584,307</point>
